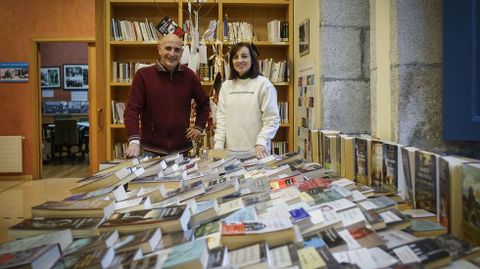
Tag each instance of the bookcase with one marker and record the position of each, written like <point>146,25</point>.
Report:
<point>257,13</point>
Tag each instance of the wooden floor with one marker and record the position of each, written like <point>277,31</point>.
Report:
<point>17,198</point>
<point>65,170</point>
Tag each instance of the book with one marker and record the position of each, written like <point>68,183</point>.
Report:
<point>426,181</point>
<point>80,227</point>
<point>63,238</point>
<point>169,182</point>
<point>86,208</point>
<point>390,165</point>
<point>394,238</point>
<point>214,191</point>
<point>121,177</point>
<point>168,219</point>
<point>218,258</point>
<point>395,219</point>
<point>360,257</point>
<point>38,257</point>
<point>471,202</point>
<point>380,204</point>
<point>310,258</point>
<point>88,244</point>
<point>376,162</point>
<point>99,258</point>
<point>284,256</point>
<point>147,241</point>
<point>362,160</point>
<point>205,211</point>
<point>167,26</point>
<point>357,236</point>
<point>450,184</point>
<point>455,247</point>
<point>188,191</point>
<point>419,214</point>
<point>426,228</point>
<point>408,164</point>
<point>250,257</point>
<point>425,251</point>
<point>192,255</point>
<point>138,203</point>
<point>274,231</point>
<point>374,219</point>
<point>282,183</point>
<point>175,238</point>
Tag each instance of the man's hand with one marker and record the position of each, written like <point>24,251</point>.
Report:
<point>260,151</point>
<point>133,150</point>
<point>192,133</point>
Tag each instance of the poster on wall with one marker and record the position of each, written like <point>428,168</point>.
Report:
<point>304,37</point>
<point>50,77</point>
<point>13,72</point>
<point>75,77</point>
<point>305,110</point>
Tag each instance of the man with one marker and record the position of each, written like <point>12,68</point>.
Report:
<point>160,97</point>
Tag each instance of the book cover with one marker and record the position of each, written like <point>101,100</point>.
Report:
<point>426,185</point>
<point>376,159</point>
<point>310,258</point>
<point>471,203</point>
<point>63,238</point>
<point>457,248</point>
<point>362,174</point>
<point>168,219</point>
<point>147,241</point>
<point>85,208</point>
<point>175,238</point>
<point>193,255</point>
<point>282,183</point>
<point>81,227</point>
<point>284,256</point>
<point>425,251</point>
<point>408,164</point>
<point>249,257</point>
<point>423,228</point>
<point>104,240</point>
<point>36,258</point>
<point>390,166</point>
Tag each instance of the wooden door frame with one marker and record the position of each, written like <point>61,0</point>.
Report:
<point>37,96</point>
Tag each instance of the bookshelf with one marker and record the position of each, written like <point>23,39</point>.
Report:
<point>256,13</point>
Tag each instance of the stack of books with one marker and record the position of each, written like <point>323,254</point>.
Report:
<point>235,212</point>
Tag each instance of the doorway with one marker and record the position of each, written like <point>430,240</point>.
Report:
<point>65,79</point>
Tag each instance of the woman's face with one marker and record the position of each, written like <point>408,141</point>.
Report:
<point>242,61</point>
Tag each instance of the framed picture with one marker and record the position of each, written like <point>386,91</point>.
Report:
<point>50,77</point>
<point>75,77</point>
<point>13,72</point>
<point>304,37</point>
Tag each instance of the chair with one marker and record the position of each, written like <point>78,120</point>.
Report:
<point>65,138</point>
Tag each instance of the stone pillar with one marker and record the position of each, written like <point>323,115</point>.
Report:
<point>345,77</point>
<point>416,72</point>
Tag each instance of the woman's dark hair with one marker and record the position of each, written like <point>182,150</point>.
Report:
<point>254,69</point>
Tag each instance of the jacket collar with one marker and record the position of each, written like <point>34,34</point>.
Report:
<point>161,68</point>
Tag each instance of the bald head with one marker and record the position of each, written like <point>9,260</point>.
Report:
<point>170,51</point>
<point>171,38</point>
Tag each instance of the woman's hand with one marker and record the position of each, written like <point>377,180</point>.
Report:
<point>260,151</point>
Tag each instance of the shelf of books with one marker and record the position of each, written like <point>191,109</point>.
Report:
<point>133,32</point>
<point>415,209</point>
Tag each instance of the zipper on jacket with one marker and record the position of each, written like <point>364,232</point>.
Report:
<point>153,126</point>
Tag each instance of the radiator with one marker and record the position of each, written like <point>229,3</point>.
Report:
<point>11,159</point>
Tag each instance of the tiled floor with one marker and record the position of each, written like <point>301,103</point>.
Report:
<point>17,198</point>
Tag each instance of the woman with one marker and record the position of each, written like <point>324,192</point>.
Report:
<point>247,115</point>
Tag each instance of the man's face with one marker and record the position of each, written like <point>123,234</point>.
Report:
<point>170,51</point>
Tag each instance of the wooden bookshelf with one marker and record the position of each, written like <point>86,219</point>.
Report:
<point>257,13</point>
